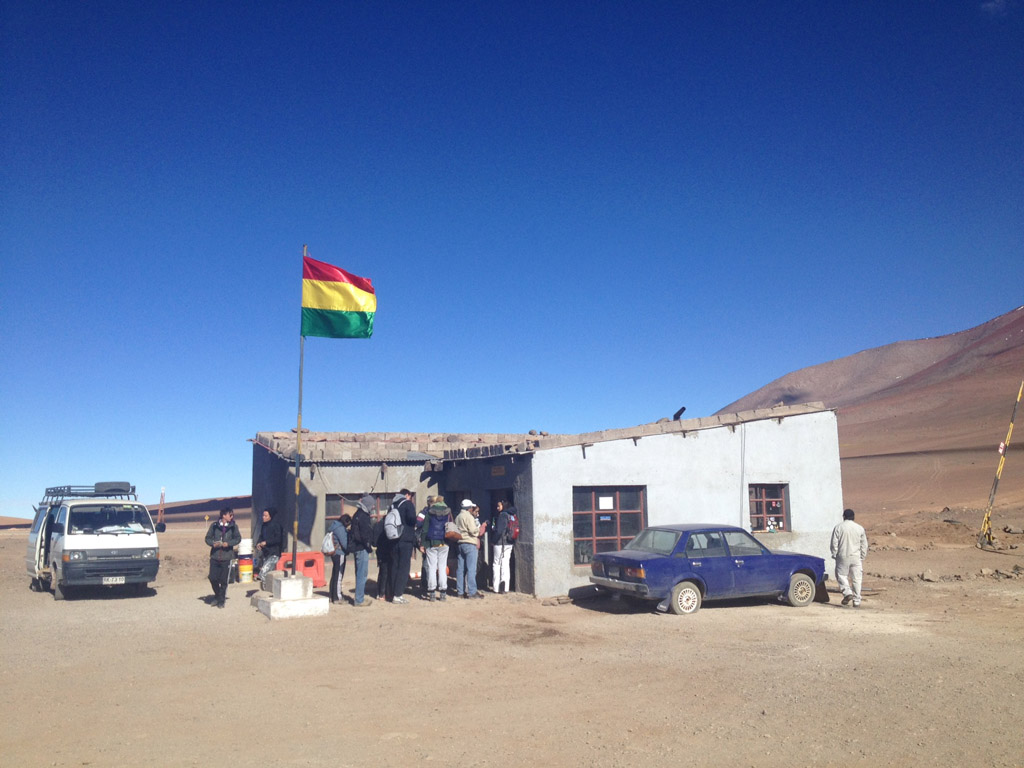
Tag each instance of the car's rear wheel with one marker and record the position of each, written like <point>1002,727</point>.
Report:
<point>801,590</point>
<point>686,598</point>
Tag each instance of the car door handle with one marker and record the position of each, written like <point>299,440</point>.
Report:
<point>696,564</point>
<point>738,562</point>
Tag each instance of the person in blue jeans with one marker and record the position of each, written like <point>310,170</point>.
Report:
<point>468,524</point>
<point>359,545</point>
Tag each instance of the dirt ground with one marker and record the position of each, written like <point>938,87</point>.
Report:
<point>925,672</point>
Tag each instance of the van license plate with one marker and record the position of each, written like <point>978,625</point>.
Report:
<point>113,580</point>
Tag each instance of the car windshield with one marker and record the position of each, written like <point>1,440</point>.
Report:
<point>654,540</point>
<point>109,518</point>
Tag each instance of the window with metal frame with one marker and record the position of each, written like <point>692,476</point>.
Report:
<point>605,518</point>
<point>769,508</point>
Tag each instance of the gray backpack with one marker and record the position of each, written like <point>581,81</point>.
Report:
<point>393,523</point>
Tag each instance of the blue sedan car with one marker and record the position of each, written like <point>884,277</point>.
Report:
<point>681,566</point>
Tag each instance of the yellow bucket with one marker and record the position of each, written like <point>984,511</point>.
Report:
<point>244,570</point>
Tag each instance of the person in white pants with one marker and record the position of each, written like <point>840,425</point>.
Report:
<point>849,548</point>
<point>501,554</point>
<point>434,547</point>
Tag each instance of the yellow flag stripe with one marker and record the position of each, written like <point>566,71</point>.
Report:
<point>345,297</point>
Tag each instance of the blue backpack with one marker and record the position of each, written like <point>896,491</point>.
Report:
<point>436,526</point>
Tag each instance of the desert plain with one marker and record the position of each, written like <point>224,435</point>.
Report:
<point>929,671</point>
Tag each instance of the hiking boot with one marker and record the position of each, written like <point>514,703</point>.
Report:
<point>847,599</point>
<point>441,596</point>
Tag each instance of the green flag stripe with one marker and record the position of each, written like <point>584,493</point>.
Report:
<point>337,325</point>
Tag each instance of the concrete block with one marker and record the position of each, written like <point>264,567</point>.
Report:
<point>295,587</point>
<point>274,609</point>
<point>268,583</point>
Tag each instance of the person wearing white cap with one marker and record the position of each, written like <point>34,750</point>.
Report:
<point>468,524</point>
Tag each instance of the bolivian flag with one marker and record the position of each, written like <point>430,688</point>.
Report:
<point>336,304</point>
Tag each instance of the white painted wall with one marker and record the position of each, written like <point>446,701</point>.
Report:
<point>700,477</point>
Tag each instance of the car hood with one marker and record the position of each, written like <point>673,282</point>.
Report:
<point>798,556</point>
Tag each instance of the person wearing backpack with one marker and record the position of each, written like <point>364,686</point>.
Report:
<point>503,534</point>
<point>339,535</point>
<point>403,508</point>
<point>435,548</point>
<point>359,545</point>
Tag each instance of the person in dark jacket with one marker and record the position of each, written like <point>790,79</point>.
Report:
<point>382,545</point>
<point>501,558</point>
<point>271,542</point>
<point>359,545</point>
<point>401,548</point>
<point>222,538</point>
<point>339,530</point>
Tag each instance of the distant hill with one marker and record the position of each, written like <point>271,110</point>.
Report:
<point>196,511</point>
<point>920,421</point>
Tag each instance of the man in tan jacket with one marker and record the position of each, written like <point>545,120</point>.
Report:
<point>468,524</point>
<point>849,548</point>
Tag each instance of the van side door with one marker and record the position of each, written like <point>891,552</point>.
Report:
<point>35,553</point>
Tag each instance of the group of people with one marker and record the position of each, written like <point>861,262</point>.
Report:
<point>432,531</point>
<point>395,534</point>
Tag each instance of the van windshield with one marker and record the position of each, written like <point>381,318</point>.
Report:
<point>109,518</point>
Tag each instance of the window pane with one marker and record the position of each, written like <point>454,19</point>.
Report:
<point>583,526</point>
<point>583,552</point>
<point>629,498</point>
<point>607,525</point>
<point>742,544</point>
<point>582,500</point>
<point>608,546</point>
<point>629,523</point>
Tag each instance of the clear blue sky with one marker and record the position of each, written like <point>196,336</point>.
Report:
<point>576,215</point>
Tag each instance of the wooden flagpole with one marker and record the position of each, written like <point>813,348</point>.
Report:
<point>298,439</point>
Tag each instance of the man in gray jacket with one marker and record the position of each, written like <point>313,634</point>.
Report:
<point>849,548</point>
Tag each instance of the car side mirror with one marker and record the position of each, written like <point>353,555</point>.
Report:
<point>161,527</point>
<point>57,528</point>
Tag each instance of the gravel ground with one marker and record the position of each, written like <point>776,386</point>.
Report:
<point>924,673</point>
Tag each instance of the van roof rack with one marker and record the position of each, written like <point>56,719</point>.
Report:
<point>107,490</point>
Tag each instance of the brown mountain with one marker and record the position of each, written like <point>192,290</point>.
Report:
<point>920,422</point>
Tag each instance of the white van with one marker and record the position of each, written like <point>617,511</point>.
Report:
<point>92,535</point>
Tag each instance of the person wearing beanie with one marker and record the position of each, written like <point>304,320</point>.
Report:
<point>359,545</point>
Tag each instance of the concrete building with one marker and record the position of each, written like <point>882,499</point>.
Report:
<point>773,471</point>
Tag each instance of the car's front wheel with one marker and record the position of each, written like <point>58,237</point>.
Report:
<point>801,590</point>
<point>686,598</point>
